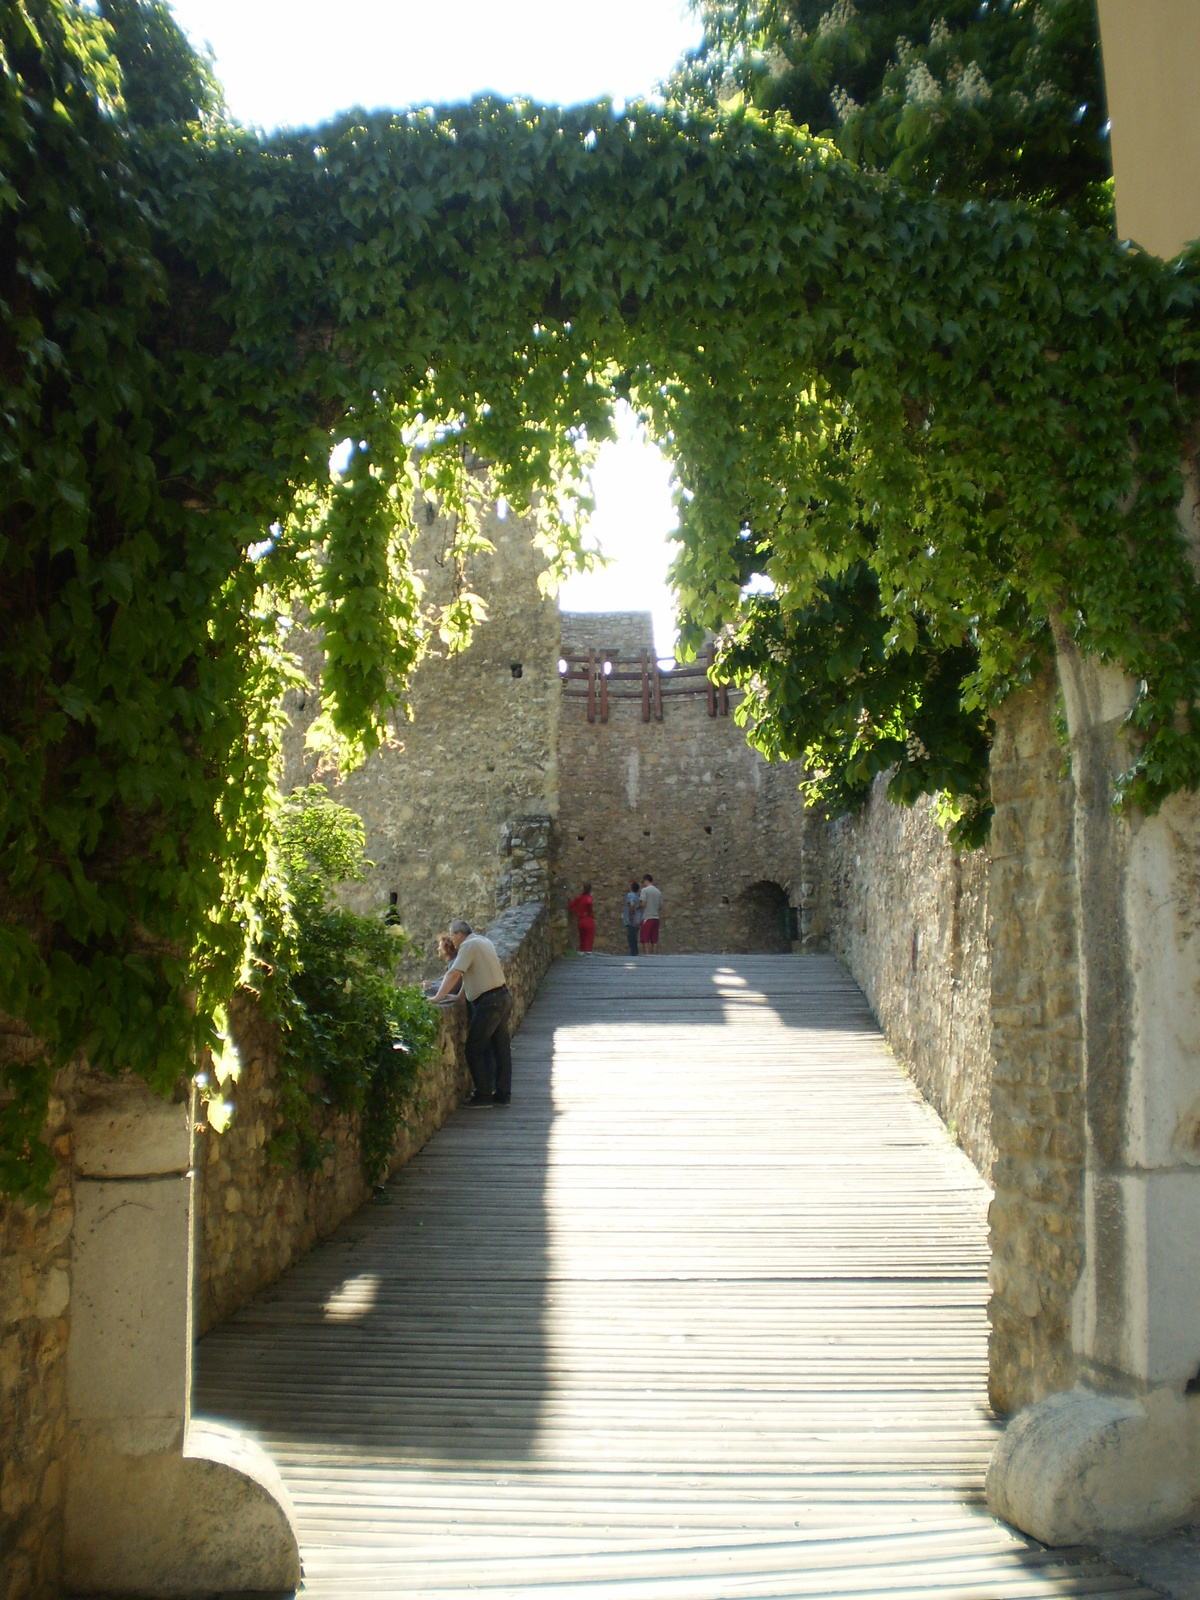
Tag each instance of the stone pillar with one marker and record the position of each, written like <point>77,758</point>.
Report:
<point>1121,1452</point>
<point>156,1504</point>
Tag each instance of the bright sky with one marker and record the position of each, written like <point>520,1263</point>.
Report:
<point>632,524</point>
<point>300,62</point>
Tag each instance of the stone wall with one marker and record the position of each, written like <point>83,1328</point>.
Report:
<point>723,832</point>
<point>460,811</point>
<point>909,915</point>
<point>255,1218</point>
<point>969,962</point>
<point>1037,1058</point>
<point>35,1294</point>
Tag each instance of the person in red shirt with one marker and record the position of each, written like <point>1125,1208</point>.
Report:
<point>582,908</point>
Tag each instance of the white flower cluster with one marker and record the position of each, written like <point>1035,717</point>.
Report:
<point>921,87</point>
<point>844,105</point>
<point>839,17</point>
<point>939,34</point>
<point>904,48</point>
<point>1046,93</point>
<point>973,88</point>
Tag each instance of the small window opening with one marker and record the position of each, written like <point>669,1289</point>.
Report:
<point>645,833</point>
<point>581,837</point>
<point>708,828</point>
<point>516,669</point>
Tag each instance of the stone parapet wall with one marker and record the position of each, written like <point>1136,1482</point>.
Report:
<point>970,963</point>
<point>255,1218</point>
<point>524,940</point>
<point>1037,1060</point>
<point>252,1221</point>
<point>909,916</point>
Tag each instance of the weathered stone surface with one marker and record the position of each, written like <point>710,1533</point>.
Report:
<point>255,1216</point>
<point>212,1517</point>
<point>1037,1109</point>
<point>723,832</point>
<point>460,811</point>
<point>969,961</point>
<point>1079,1467</point>
<point>909,916</point>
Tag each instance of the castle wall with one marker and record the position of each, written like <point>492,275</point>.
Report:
<point>723,832</point>
<point>969,961</point>
<point>909,917</point>
<point>460,815</point>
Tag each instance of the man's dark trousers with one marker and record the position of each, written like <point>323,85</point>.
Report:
<point>487,1041</point>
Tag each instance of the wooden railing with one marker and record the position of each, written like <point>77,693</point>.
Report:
<point>601,676</point>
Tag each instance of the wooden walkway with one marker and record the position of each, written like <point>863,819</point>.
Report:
<point>700,1316</point>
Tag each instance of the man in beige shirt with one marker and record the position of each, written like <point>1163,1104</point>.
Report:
<point>489,1051</point>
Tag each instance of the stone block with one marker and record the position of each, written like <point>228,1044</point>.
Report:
<point>123,1129</point>
<point>1078,1466</point>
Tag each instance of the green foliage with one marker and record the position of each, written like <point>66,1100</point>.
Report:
<point>350,1037</point>
<point>951,395</point>
<point>163,80</point>
<point>998,101</point>
<point>1003,101</point>
<point>824,688</point>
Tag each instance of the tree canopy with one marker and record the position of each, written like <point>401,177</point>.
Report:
<point>861,386</point>
<point>971,102</point>
<point>996,101</point>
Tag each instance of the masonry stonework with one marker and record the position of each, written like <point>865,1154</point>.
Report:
<point>970,963</point>
<point>909,918</point>
<point>1036,1052</point>
<point>460,813</point>
<point>723,832</point>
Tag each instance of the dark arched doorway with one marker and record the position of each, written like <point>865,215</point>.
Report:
<point>762,920</point>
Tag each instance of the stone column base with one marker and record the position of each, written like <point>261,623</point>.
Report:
<point>1077,1467</point>
<point>213,1518</point>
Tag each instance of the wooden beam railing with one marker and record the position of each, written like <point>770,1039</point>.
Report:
<point>602,676</point>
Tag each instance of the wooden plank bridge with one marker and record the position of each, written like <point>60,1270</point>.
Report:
<point>700,1316</point>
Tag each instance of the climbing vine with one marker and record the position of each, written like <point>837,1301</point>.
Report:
<point>350,1037</point>
<point>949,397</point>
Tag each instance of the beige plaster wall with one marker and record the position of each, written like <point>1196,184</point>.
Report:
<point>460,818</point>
<point>1151,56</point>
